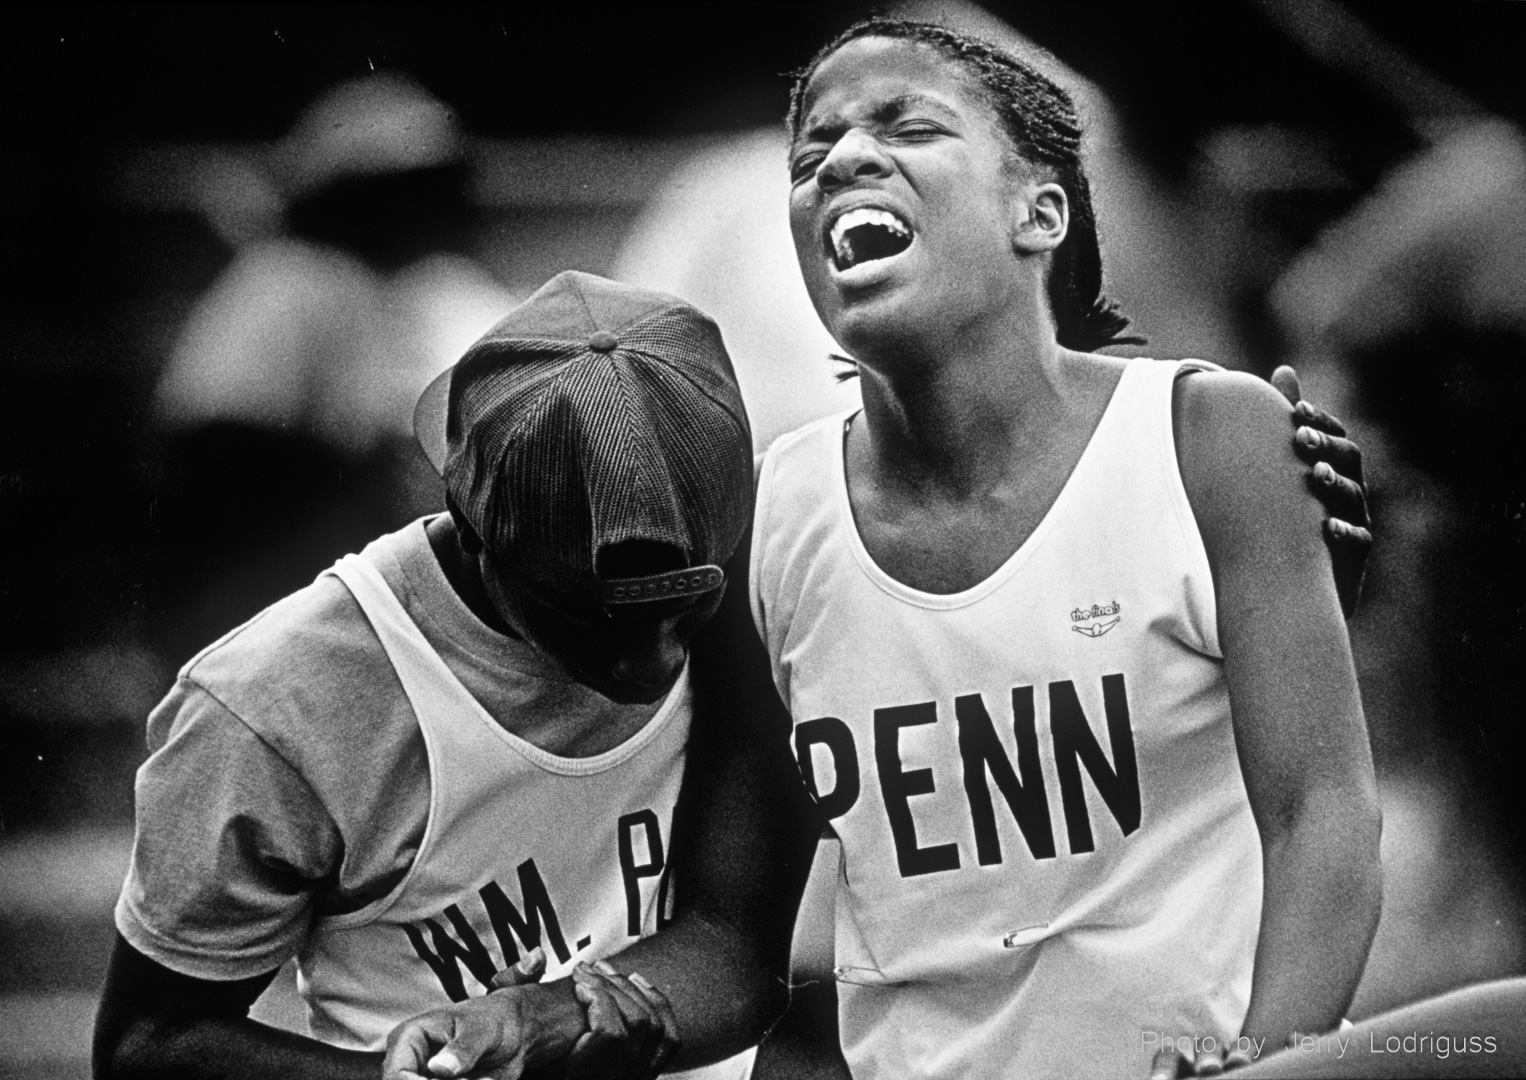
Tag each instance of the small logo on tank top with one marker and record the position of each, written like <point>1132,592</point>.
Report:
<point>1096,620</point>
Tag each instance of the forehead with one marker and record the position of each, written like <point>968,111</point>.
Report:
<point>868,74</point>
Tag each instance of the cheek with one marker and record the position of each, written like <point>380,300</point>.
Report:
<point>803,231</point>
<point>696,620</point>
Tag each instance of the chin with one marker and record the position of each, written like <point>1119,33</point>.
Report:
<point>878,325</point>
<point>633,695</point>
<point>624,693</point>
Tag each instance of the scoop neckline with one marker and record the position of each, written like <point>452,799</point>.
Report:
<point>1014,562</point>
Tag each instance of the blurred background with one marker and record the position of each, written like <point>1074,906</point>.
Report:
<point>243,237</point>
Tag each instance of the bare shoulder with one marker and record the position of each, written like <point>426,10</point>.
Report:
<point>1245,483</point>
<point>1228,408</point>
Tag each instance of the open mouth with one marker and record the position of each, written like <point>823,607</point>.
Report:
<point>866,234</point>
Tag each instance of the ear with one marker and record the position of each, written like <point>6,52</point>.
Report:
<point>1041,218</point>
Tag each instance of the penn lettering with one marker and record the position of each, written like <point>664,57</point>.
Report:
<point>984,758</point>
<point>1074,743</point>
<point>832,734</point>
<point>981,751</point>
<point>898,786</point>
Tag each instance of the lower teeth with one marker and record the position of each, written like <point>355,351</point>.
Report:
<point>869,243</point>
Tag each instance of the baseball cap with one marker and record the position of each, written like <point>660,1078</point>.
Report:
<point>594,414</point>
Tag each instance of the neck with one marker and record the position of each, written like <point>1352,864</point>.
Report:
<point>957,413</point>
<point>464,573</point>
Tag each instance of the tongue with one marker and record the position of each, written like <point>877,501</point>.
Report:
<point>866,243</point>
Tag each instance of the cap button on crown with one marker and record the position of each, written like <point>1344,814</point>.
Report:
<point>602,341</point>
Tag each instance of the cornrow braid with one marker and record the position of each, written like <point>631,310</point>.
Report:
<point>1042,125</point>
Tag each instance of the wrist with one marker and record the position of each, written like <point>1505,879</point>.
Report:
<point>551,1018</point>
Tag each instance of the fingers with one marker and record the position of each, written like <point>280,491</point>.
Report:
<point>1314,445</point>
<point>477,1040</point>
<point>1238,1058</point>
<point>1174,1065</point>
<point>413,1043</point>
<point>1285,379</point>
<point>631,1027</point>
<point>670,1037</point>
<point>1315,417</point>
<point>616,1008</point>
<point>1349,547</point>
<point>1336,480</point>
<point>1347,534</point>
<point>1341,497</point>
<point>1168,1065</point>
<point>633,999</point>
<point>1208,1063</point>
<point>530,968</point>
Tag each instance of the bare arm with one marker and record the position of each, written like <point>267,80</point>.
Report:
<point>155,1022</point>
<point>1298,720</point>
<point>240,856</point>
<point>744,834</point>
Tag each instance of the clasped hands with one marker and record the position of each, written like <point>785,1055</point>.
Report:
<point>599,1024</point>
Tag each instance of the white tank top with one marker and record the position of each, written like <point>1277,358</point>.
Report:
<point>1047,851</point>
<point>522,848</point>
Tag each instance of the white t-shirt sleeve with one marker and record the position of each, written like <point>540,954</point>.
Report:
<point>231,845</point>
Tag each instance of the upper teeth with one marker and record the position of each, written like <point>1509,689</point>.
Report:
<point>866,215</point>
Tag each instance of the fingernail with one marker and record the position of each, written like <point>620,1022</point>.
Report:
<point>640,980</point>
<point>604,967</point>
<point>1325,473</point>
<point>445,1063</point>
<point>1309,437</point>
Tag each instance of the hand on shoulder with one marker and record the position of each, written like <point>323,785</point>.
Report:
<point>1232,438</point>
<point>1242,476</point>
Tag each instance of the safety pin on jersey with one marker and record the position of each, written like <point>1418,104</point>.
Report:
<point>1028,935</point>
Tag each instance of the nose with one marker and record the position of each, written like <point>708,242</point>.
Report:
<point>650,657</point>
<point>855,156</point>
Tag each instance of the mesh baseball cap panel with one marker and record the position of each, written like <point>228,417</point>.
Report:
<point>594,414</point>
<point>574,305</point>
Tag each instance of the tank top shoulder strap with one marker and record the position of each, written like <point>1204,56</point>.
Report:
<point>455,725</point>
<point>1137,466</point>
<point>429,683</point>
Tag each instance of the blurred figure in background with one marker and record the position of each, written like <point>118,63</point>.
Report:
<point>1410,307</point>
<point>286,406</point>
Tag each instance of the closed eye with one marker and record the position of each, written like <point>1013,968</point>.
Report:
<point>918,129</point>
<point>804,166</point>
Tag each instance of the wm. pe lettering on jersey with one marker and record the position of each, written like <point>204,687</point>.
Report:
<point>447,943</point>
<point>1021,783</point>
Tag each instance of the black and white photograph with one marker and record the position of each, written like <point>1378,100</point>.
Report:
<point>763,541</point>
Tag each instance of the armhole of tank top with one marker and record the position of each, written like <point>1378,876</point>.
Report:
<point>1207,625</point>
<point>377,908</point>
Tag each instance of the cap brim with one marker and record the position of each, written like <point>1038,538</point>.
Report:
<point>429,420</point>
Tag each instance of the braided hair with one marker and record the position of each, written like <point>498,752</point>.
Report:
<point>1040,121</point>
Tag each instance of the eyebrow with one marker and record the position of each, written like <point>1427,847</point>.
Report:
<point>888,110</point>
